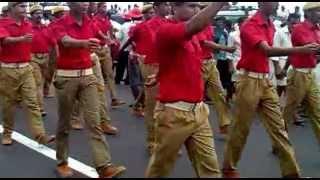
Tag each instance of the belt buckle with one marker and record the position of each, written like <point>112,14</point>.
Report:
<point>81,72</point>
<point>193,107</point>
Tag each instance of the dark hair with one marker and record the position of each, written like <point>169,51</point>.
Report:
<point>241,19</point>
<point>293,16</point>
<point>100,4</point>
<point>158,3</point>
<point>179,3</point>
<point>221,18</point>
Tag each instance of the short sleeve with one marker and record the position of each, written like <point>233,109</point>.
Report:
<point>57,31</point>
<point>172,34</point>
<point>297,37</point>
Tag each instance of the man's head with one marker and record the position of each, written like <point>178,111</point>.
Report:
<point>283,8</point>
<point>4,11</point>
<point>312,12</point>
<point>36,13</point>
<point>79,8</point>
<point>148,11</point>
<point>58,12</point>
<point>268,8</point>
<point>162,8</point>
<point>18,9</point>
<point>293,19</point>
<point>184,11</point>
<point>92,8</point>
<point>221,22</point>
<point>102,8</point>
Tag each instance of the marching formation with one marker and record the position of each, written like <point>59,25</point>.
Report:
<point>176,63</point>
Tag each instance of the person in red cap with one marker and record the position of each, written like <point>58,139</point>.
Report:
<point>17,74</point>
<point>77,35</point>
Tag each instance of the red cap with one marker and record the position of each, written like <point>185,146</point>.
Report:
<point>127,16</point>
<point>135,13</point>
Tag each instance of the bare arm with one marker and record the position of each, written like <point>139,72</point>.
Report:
<point>13,40</point>
<point>215,46</point>
<point>278,51</point>
<point>128,42</point>
<point>68,41</point>
<point>201,20</point>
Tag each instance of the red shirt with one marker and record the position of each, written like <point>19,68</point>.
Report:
<point>17,52</point>
<point>41,41</point>
<point>179,59</point>
<point>302,34</point>
<point>252,33</point>
<point>141,37</point>
<point>206,35</point>
<point>71,57</point>
<point>103,23</point>
<point>153,25</point>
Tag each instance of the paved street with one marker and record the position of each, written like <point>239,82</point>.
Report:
<point>128,148</point>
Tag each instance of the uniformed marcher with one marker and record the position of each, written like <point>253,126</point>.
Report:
<point>181,116</point>
<point>41,45</point>
<point>104,53</point>
<point>302,84</point>
<point>49,90</point>
<point>76,35</point>
<point>17,74</point>
<point>139,39</point>
<point>150,66</point>
<point>211,77</point>
<point>255,92</point>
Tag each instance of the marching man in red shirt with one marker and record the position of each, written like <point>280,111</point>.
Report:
<point>76,36</point>
<point>181,115</point>
<point>104,53</point>
<point>16,73</point>
<point>41,45</point>
<point>302,85</point>
<point>255,92</point>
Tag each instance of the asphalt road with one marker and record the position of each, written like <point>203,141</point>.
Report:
<point>128,148</point>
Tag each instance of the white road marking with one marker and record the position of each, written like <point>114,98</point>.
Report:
<point>50,153</point>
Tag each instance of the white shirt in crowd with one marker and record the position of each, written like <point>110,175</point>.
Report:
<point>123,34</point>
<point>282,38</point>
<point>234,41</point>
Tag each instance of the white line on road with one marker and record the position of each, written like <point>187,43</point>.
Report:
<point>50,153</point>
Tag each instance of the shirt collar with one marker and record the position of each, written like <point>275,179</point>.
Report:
<point>71,20</point>
<point>11,21</point>
<point>311,26</point>
<point>258,17</point>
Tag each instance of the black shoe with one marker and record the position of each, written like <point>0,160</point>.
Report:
<point>43,113</point>
<point>299,123</point>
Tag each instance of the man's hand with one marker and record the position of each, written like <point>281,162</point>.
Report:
<point>281,75</point>
<point>311,48</point>
<point>27,38</point>
<point>151,81</point>
<point>93,44</point>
